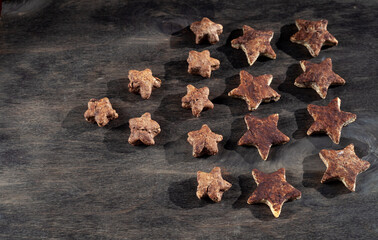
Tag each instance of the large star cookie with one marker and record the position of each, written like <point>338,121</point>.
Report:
<point>143,82</point>
<point>204,141</point>
<point>343,165</point>
<point>254,90</point>
<point>254,43</point>
<point>313,35</point>
<point>100,111</point>
<point>273,190</point>
<point>318,76</point>
<point>212,184</point>
<point>262,133</point>
<point>206,29</point>
<point>143,130</point>
<point>200,63</point>
<point>197,99</point>
<point>329,119</point>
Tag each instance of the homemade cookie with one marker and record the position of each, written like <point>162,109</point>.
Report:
<point>329,119</point>
<point>254,43</point>
<point>313,35</point>
<point>318,76</point>
<point>200,63</point>
<point>262,133</point>
<point>143,130</point>
<point>204,141</point>
<point>206,29</point>
<point>197,99</point>
<point>254,90</point>
<point>143,82</point>
<point>273,190</point>
<point>343,165</point>
<point>100,111</point>
<point>212,185</point>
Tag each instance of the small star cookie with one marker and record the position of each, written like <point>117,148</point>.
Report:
<point>343,165</point>
<point>212,185</point>
<point>197,99</point>
<point>262,133</point>
<point>143,130</point>
<point>200,63</point>
<point>318,76</point>
<point>143,82</point>
<point>254,43</point>
<point>206,29</point>
<point>313,35</point>
<point>273,190</point>
<point>329,119</point>
<point>204,141</point>
<point>100,111</point>
<point>254,90</point>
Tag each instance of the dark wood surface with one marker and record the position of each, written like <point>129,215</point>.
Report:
<point>64,178</point>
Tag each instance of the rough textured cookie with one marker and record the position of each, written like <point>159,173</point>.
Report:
<point>318,76</point>
<point>143,130</point>
<point>313,35</point>
<point>197,99</point>
<point>143,82</point>
<point>204,141</point>
<point>255,43</point>
<point>343,165</point>
<point>200,63</point>
<point>262,133</point>
<point>212,184</point>
<point>273,190</point>
<point>206,29</point>
<point>329,119</point>
<point>254,90</point>
<point>100,111</point>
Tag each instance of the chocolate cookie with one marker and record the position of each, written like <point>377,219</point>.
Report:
<point>200,63</point>
<point>197,99</point>
<point>204,141</point>
<point>206,29</point>
<point>211,184</point>
<point>143,82</point>
<point>100,111</point>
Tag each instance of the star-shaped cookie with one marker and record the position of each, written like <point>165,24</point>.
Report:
<point>254,90</point>
<point>204,141</point>
<point>143,82</point>
<point>200,63</point>
<point>254,43</point>
<point>318,76</point>
<point>197,99</point>
<point>143,130</point>
<point>262,133</point>
<point>329,119</point>
<point>212,184</point>
<point>100,111</point>
<point>343,165</point>
<point>206,29</point>
<point>313,35</point>
<point>273,190</point>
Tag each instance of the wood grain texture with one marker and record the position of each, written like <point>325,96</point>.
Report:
<point>64,178</point>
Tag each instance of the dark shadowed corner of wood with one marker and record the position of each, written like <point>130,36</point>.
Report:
<point>64,178</point>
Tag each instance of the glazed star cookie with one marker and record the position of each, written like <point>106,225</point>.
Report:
<point>197,99</point>
<point>343,165</point>
<point>262,133</point>
<point>200,63</point>
<point>143,82</point>
<point>329,119</point>
<point>212,185</point>
<point>254,43</point>
<point>100,111</point>
<point>143,130</point>
<point>206,29</point>
<point>273,190</point>
<point>204,141</point>
<point>313,35</point>
<point>318,76</point>
<point>254,90</point>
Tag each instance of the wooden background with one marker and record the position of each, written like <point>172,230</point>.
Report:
<point>64,178</point>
